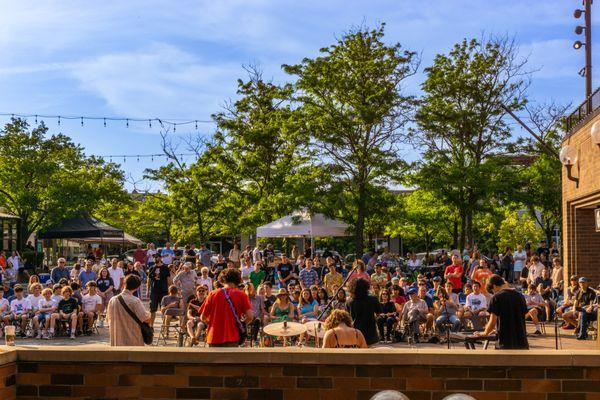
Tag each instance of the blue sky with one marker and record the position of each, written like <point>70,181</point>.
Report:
<point>181,59</point>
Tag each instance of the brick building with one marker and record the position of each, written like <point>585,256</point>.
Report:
<point>580,156</point>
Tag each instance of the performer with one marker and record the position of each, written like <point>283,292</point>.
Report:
<point>507,310</point>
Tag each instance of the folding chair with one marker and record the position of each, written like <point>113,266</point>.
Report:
<point>175,326</point>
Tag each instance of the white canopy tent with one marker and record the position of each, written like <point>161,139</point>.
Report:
<point>303,224</point>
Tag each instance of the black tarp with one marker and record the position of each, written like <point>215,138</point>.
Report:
<point>83,226</point>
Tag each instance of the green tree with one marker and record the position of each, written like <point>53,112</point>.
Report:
<point>354,111</point>
<point>515,230</point>
<point>462,129</point>
<point>46,179</point>
<point>421,216</point>
<point>261,155</point>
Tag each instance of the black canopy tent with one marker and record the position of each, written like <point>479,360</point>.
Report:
<point>81,227</point>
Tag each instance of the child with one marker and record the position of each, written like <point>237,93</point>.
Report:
<point>68,310</point>
<point>19,310</point>
<point>46,307</point>
<point>56,296</point>
<point>91,306</point>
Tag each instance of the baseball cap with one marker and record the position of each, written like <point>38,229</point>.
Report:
<point>437,278</point>
<point>573,277</point>
<point>584,279</point>
<point>412,291</point>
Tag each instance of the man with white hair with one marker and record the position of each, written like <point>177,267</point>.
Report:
<point>185,280</point>
<point>60,272</point>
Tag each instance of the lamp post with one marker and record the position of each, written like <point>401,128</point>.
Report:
<point>587,29</point>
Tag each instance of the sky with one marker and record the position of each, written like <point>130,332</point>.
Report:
<point>181,59</point>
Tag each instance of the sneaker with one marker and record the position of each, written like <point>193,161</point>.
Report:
<point>47,336</point>
<point>537,332</point>
<point>72,336</point>
<point>39,335</point>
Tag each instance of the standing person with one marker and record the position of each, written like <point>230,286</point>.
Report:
<point>257,276</point>
<point>158,282</point>
<point>295,253</point>
<point>506,264</point>
<point>482,274</point>
<point>185,280</point>
<point>60,271</point>
<point>204,255</point>
<point>557,277</point>
<point>364,309</point>
<point>139,255</point>
<point>124,330</point>
<point>223,310</point>
<point>167,254</point>
<point>359,272</point>
<point>285,272</point>
<point>308,276</point>
<point>116,273</point>
<point>256,254</point>
<point>453,273</point>
<point>105,286</point>
<point>519,258</point>
<point>535,269</point>
<point>16,262</point>
<point>87,275</point>
<point>333,279</point>
<point>204,279</point>
<point>150,255</point>
<point>507,310</point>
<point>234,255</point>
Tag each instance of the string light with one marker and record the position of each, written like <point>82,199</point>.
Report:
<point>173,122</point>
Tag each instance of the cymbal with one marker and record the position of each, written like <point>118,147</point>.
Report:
<point>315,326</point>
<point>284,329</point>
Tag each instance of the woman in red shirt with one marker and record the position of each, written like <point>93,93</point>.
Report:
<point>216,311</point>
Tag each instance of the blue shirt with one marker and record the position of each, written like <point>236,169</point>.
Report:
<point>57,274</point>
<point>308,307</point>
<point>86,276</point>
<point>308,278</point>
<point>205,257</point>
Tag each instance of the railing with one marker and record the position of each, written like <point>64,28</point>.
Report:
<point>588,107</point>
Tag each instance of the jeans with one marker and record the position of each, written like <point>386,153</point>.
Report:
<point>383,321</point>
<point>444,319</point>
<point>584,322</point>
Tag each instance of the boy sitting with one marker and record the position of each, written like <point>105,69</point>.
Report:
<point>68,311</point>
<point>46,307</point>
<point>19,310</point>
<point>91,304</point>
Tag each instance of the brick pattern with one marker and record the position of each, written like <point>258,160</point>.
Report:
<point>8,381</point>
<point>303,382</point>
<point>581,242</point>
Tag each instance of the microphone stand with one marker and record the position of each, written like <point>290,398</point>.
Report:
<point>330,302</point>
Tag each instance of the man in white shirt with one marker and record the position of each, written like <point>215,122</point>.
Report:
<point>14,260</point>
<point>476,307</point>
<point>19,310</point>
<point>413,263</point>
<point>167,254</point>
<point>116,273</point>
<point>91,305</point>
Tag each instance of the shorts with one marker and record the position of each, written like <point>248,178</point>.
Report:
<point>42,317</point>
<point>155,299</point>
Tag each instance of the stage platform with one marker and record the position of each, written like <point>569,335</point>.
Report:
<point>101,372</point>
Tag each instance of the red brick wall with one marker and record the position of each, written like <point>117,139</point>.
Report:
<point>301,382</point>
<point>587,251</point>
<point>8,381</point>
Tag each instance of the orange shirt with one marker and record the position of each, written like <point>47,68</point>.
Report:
<point>482,275</point>
<point>222,327</point>
<point>2,261</point>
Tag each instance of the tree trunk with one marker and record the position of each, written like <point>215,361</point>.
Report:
<point>455,234</point>
<point>469,224</point>
<point>360,222</point>
<point>463,230</point>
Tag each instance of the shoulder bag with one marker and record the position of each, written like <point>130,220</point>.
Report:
<point>240,325</point>
<point>147,330</point>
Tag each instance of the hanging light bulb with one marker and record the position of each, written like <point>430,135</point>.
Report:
<point>152,158</point>
<point>174,127</point>
<point>110,158</point>
<point>150,123</point>
<point>124,159</point>
<point>59,120</point>
<point>196,125</point>
<point>127,122</point>
<point>138,158</point>
<point>81,121</point>
<point>36,119</point>
<point>104,122</point>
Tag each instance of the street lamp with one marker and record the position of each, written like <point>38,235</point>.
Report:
<point>587,29</point>
<point>568,157</point>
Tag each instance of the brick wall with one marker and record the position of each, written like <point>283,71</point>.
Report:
<point>302,382</point>
<point>581,248</point>
<point>8,381</point>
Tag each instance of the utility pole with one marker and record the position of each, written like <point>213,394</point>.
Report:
<point>587,70</point>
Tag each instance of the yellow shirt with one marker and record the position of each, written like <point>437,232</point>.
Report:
<point>332,280</point>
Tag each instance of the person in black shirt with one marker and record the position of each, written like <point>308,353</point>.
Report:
<point>387,318</point>
<point>158,282</point>
<point>363,308</point>
<point>584,304</point>
<point>543,249</point>
<point>285,272</point>
<point>507,310</point>
<point>219,266</point>
<point>66,311</point>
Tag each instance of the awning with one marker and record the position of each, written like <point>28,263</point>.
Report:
<point>83,226</point>
<point>303,224</point>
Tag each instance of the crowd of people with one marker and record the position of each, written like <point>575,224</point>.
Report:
<point>215,298</point>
